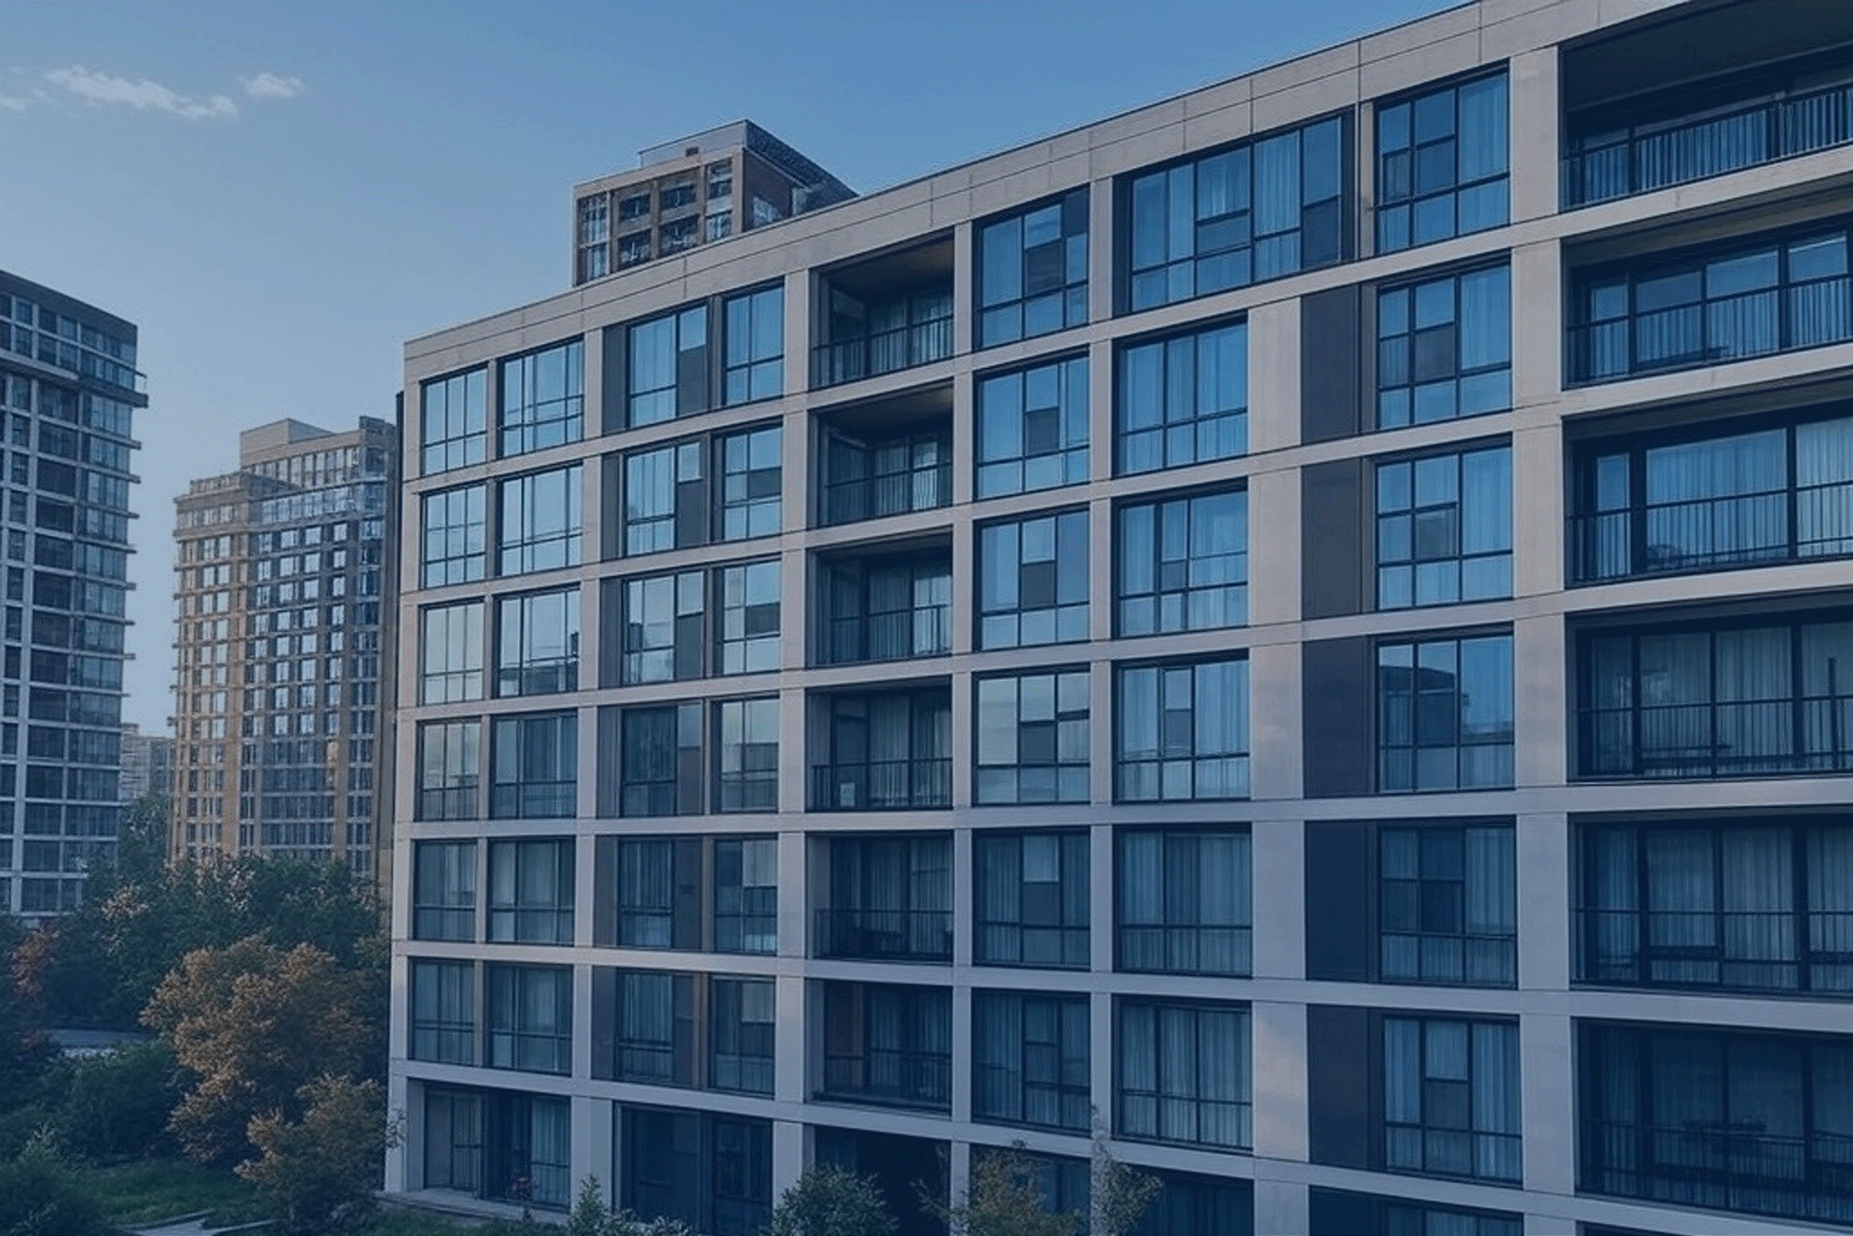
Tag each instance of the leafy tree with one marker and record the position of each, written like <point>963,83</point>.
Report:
<point>41,1196</point>
<point>1003,1198</point>
<point>253,1025</point>
<point>118,1103</point>
<point>27,1054</point>
<point>1119,1195</point>
<point>320,1171</point>
<point>832,1201</point>
<point>592,1217</point>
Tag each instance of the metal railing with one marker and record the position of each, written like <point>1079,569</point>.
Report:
<point>882,785</point>
<point>1785,950</point>
<point>883,351</point>
<point>1713,145</point>
<point>1706,534</point>
<point>885,935</point>
<point>1711,739</point>
<point>924,631</point>
<point>1156,948</point>
<point>887,493</point>
<point>1722,1165</point>
<point>890,1078</point>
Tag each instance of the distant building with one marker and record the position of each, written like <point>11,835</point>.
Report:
<point>280,583</point>
<point>68,393</point>
<point>706,187</point>
<point>147,763</point>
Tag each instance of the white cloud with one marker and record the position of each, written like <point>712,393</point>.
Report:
<point>108,90</point>
<point>9,104</point>
<point>269,85</point>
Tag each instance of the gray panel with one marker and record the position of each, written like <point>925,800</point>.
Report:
<point>1331,394</point>
<point>605,888</point>
<point>604,1023</point>
<point>611,508</point>
<point>1338,703</point>
<point>1334,562</point>
<point>1340,1129</point>
<point>610,634</point>
<point>1340,901</point>
<point>615,380</point>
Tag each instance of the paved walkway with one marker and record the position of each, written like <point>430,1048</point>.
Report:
<point>194,1225</point>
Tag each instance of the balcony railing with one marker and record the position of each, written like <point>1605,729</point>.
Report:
<point>882,785</point>
<point>1679,153</point>
<point>1159,949</point>
<point>1808,314</point>
<point>1719,738</point>
<point>925,631</point>
<point>885,935</point>
<point>889,493</point>
<point>1723,950</point>
<point>1707,534</point>
<point>886,351</point>
<point>890,1078</point>
<point>1722,1165</point>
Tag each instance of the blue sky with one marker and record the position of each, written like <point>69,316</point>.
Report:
<point>280,194</point>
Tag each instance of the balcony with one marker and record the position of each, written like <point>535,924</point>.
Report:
<point>884,314</point>
<point>887,607</point>
<point>887,1046</point>
<point>885,935</point>
<point>881,751</point>
<point>887,457</point>
<point>1754,528</point>
<point>882,785</point>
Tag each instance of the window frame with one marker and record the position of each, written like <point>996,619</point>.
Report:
<point>1460,519</point>
<point>522,535</point>
<point>553,675</point>
<point>1002,563</point>
<point>1070,293</point>
<point>1421,896</point>
<point>1070,932</point>
<point>1404,374</point>
<point>454,684</point>
<point>1068,418</point>
<point>519,920</point>
<point>519,1042</point>
<point>515,791</point>
<point>1030,1073</point>
<point>1415,719</point>
<point>1162,752</point>
<point>1175,398</point>
<point>1478,1139</point>
<point>528,422</point>
<point>1392,204</point>
<point>464,442</point>
<point>1132,555</point>
<point>1162,1101</point>
<point>1177,913</point>
<point>1068,764</point>
<point>462,533</point>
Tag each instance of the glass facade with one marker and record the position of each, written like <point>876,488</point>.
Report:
<point>1444,348</point>
<point>1444,713</point>
<point>1032,429</point>
<point>1031,742</point>
<point>1184,400</point>
<point>1032,581</point>
<point>543,399</point>
<point>1032,271</point>
<point>1442,158</point>
<point>1444,528</point>
<point>1183,564</point>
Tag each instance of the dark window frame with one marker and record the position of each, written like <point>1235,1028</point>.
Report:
<point>1033,282</point>
<point>1393,203</point>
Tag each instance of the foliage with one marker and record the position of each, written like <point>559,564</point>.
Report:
<point>832,1201</point>
<point>149,1190</point>
<point>118,1103</point>
<point>41,1196</point>
<point>239,1018</point>
<point>27,1054</point>
<point>1120,1195</point>
<point>320,1172</point>
<point>1003,1198</point>
<point>592,1217</point>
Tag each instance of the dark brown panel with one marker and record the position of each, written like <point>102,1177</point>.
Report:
<point>1333,559</point>
<point>1340,906</point>
<point>1335,676</point>
<point>1331,387</point>
<point>1340,1129</point>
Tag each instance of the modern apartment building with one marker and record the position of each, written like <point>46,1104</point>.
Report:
<point>68,392</point>
<point>1312,619</point>
<point>702,188</point>
<point>282,579</point>
<point>147,764</point>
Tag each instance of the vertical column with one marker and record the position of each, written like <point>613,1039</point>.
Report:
<point>962,1051</point>
<point>594,1146</point>
<point>799,320</point>
<point>1278,848</point>
<point>1276,758</point>
<point>402,1166</point>
<point>1278,1085</point>
<point>1540,724</point>
<point>1101,229</point>
<point>964,287</point>
<point>1538,517</point>
<point>795,892</point>
<point>1274,345</point>
<point>1543,855</point>
<point>1100,735</point>
<point>795,1012</point>
<point>1537,324</point>
<point>962,897</point>
<point>1535,154</point>
<point>789,1156</point>
<point>1280,1206</point>
<point>1364,169</point>
<point>1547,1115</point>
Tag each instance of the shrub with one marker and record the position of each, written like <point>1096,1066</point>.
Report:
<point>119,1103</point>
<point>320,1172</point>
<point>832,1201</point>
<point>41,1196</point>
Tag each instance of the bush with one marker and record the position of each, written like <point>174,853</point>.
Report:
<point>832,1201</point>
<point>592,1217</point>
<point>118,1103</point>
<point>320,1172</point>
<point>41,1196</point>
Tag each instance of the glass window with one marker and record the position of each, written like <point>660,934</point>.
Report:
<point>1030,899</point>
<point>538,637</point>
<point>1184,1073</point>
<point>452,426</point>
<point>543,398</point>
<point>449,770</point>
<point>889,899</point>
<point>1032,581</point>
<point>668,371</point>
<point>656,1016</point>
<point>1448,905</point>
<point>1032,271</point>
<point>594,236</point>
<point>444,890</point>
<point>1032,738</point>
<point>454,537</point>
<point>660,761</point>
<point>664,628</point>
<point>1032,428</point>
<point>536,758</point>
<point>755,345</point>
<point>1444,348</point>
<point>742,1025</point>
<point>1257,211</point>
<point>1184,400</point>
<point>450,646</point>
<point>665,499</point>
<point>1441,163</point>
<point>751,470</point>
<point>1335,1212</point>
<point>1444,528</point>
<point>1030,1059</point>
<point>530,1016</point>
<point>540,519</point>
<point>1444,714</point>
<point>748,634</point>
<point>443,1011</point>
<point>746,895</point>
<point>1451,1097</point>
<point>890,1046</point>
<point>653,887</point>
<point>1182,732</point>
<point>1183,564</point>
<point>748,752</point>
<point>1185,901</point>
<point>531,891</point>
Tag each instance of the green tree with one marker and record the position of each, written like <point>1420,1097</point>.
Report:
<point>1119,1195</point>
<point>252,1025</point>
<point>118,1104</point>
<point>592,1217</point>
<point>1004,1197</point>
<point>41,1196</point>
<point>832,1201</point>
<point>320,1171</point>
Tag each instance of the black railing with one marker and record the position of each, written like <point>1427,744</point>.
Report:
<point>925,631</point>
<point>882,785</point>
<point>1708,534</point>
<point>1723,950</point>
<point>883,351</point>
<point>890,1078</point>
<point>1677,154</point>
<point>884,935</point>
<point>888,493</point>
<point>1722,1165</point>
<point>1719,738</point>
<point>1798,315</point>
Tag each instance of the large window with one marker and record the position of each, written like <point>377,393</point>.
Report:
<point>748,752</point>
<point>538,641</point>
<point>449,770</point>
<point>746,895</point>
<point>889,899</point>
<point>1030,899</point>
<point>1184,900</point>
<point>1750,905</point>
<point>530,1018</point>
<point>1032,428</point>
<point>443,1011</point>
<point>444,890</point>
<point>1444,348</point>
<point>713,1173</point>
<point>1032,581</point>
<point>452,428</point>
<point>536,761</point>
<point>660,769</point>
<point>1448,904</point>
<point>1444,528</point>
<point>1184,400</point>
<point>655,1031</point>
<point>540,519</point>
<point>1184,1073</point>
<point>657,879</point>
<point>665,499</point>
<point>742,1025</point>
<point>1451,1097</point>
<point>450,648</point>
<point>886,1045</point>
<point>1746,699</point>
<point>1030,1059</point>
<point>668,370</point>
<point>1261,210</point>
<point>664,628</point>
<point>748,636</point>
<point>1031,744</point>
<point>1182,732</point>
<point>543,398</point>
<point>1183,564</point>
<point>1737,1121</point>
<point>1337,1213</point>
<point>1444,713</point>
<point>755,346</point>
<point>531,891</point>
<point>454,537</point>
<point>1441,163</point>
<point>751,471</point>
<point>1032,271</point>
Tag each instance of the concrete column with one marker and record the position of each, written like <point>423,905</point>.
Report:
<point>594,1149</point>
<point>796,893</point>
<point>962,897</point>
<point>1278,1082</point>
<point>1535,154</point>
<point>799,312</point>
<point>582,1022</point>
<point>1274,547</point>
<point>1276,762</point>
<point>585,743</point>
<point>789,1156</point>
<point>964,286</point>
<point>1100,568</point>
<point>1280,1206</point>
<point>961,1052</point>
<point>1273,376</point>
<point>964,739</point>
<point>794,739</point>
<point>958,1172</point>
<point>1279,871</point>
<point>1100,743</point>
<point>1541,711</point>
<point>1544,900</point>
<point>789,1046</point>
<point>1547,1104</point>
<point>1538,561</point>
<point>964,439</point>
<point>1101,875</point>
<point>1101,441</point>
<point>1364,170</point>
<point>585,896</point>
<point>1537,324</point>
<point>403,1172</point>
<point>1100,229</point>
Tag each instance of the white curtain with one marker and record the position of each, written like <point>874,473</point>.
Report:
<point>1496,1101</point>
<point>1824,488</point>
<point>1492,905</point>
<point>550,1142</point>
<point>1830,907</point>
<point>1759,908</point>
<point>1755,689</point>
<point>1402,1093</point>
<point>1682,896</point>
